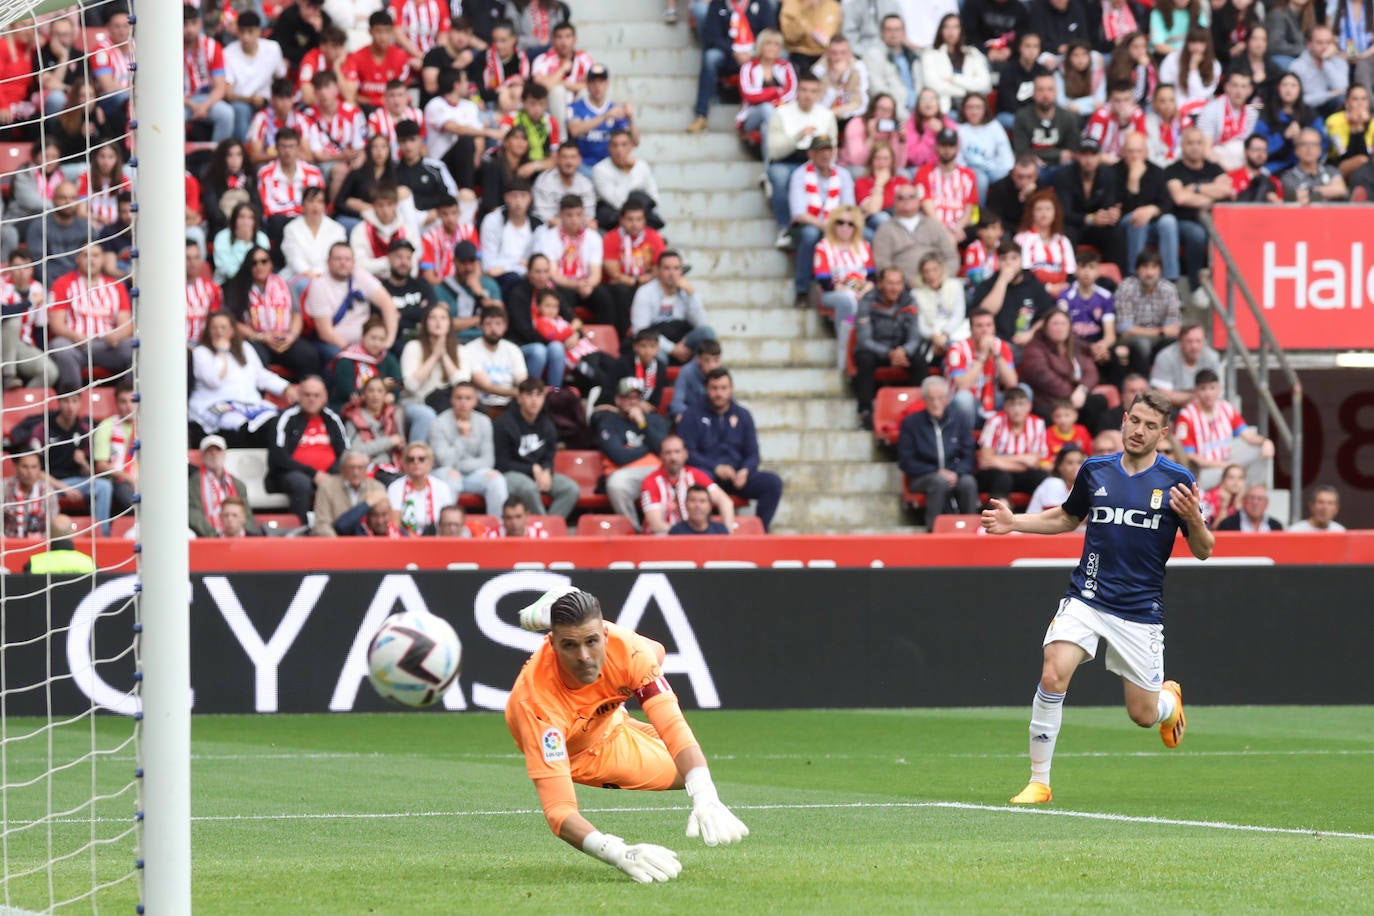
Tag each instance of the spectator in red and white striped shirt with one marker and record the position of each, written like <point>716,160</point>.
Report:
<point>663,495</point>
<point>341,131</point>
<point>203,85</point>
<point>1011,449</point>
<point>562,70</point>
<point>282,184</point>
<point>24,301</point>
<point>329,57</point>
<point>1214,434</point>
<point>89,318</point>
<point>395,108</point>
<point>202,295</point>
<point>419,23</point>
<point>949,191</point>
<point>261,140</point>
<point>1046,251</point>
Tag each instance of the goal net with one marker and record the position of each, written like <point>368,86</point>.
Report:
<point>78,344</point>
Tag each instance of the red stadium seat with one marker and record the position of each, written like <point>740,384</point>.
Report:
<point>747,524</point>
<point>604,525</point>
<point>122,526</point>
<point>489,522</point>
<point>666,400</point>
<point>1111,272</point>
<point>555,525</point>
<point>604,336</point>
<point>1111,393</point>
<point>957,524</point>
<point>91,36</point>
<point>671,374</point>
<point>277,522</point>
<point>13,157</point>
<point>890,407</point>
<point>97,402</point>
<point>25,402</point>
<point>583,466</point>
<point>470,502</point>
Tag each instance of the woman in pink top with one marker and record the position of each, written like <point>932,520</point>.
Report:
<point>925,122</point>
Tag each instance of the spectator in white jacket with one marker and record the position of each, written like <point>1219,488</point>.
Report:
<point>306,240</point>
<point>620,176</point>
<point>953,68</point>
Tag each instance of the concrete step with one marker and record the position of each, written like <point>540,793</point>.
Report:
<point>629,61</point>
<point>658,147</point>
<point>753,382</point>
<point>837,476</point>
<point>815,512</point>
<point>776,351</point>
<point>655,115</point>
<point>749,295</point>
<point>851,445</point>
<point>647,85</point>
<point>763,263</point>
<point>782,323</point>
<point>740,203</point>
<point>625,32</point>
<point>720,176</point>
<point>609,12</point>
<point>715,233</point>
<point>803,413</point>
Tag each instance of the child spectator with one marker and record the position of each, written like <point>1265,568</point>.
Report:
<point>553,327</point>
<point>1092,312</point>
<point>1065,431</point>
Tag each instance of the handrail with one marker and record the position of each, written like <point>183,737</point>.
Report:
<point>1290,435</point>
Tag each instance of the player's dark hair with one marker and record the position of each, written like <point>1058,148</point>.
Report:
<point>574,609</point>
<point>1205,377</point>
<point>1154,400</point>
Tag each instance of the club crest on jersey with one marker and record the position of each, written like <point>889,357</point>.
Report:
<point>553,746</point>
<point>1156,499</point>
<point>1131,518</point>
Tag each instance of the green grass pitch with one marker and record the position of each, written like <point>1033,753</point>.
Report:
<point>896,811</point>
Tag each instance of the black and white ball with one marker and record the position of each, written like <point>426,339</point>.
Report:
<point>414,658</point>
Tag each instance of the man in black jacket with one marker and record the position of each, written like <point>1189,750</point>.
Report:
<point>885,334</point>
<point>629,435</point>
<point>1091,199</point>
<point>526,442</point>
<point>307,442</point>
<point>935,451</point>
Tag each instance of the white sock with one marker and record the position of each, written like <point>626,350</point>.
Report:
<point>1166,705</point>
<point>1046,713</point>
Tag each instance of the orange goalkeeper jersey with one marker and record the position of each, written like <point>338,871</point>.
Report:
<point>552,723</point>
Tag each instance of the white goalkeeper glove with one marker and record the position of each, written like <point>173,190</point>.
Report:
<point>536,617</point>
<point>644,862</point>
<point>710,819</point>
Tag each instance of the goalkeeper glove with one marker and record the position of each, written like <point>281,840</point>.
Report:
<point>644,862</point>
<point>710,819</point>
<point>536,616</point>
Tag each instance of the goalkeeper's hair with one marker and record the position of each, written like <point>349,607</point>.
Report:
<point>574,609</point>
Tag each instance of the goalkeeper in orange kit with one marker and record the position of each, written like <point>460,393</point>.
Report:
<point>567,715</point>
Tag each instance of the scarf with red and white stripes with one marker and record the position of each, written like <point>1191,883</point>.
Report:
<point>819,206</point>
<point>213,493</point>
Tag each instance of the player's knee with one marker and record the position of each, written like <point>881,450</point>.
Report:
<point>1051,681</point>
<point>1142,716</point>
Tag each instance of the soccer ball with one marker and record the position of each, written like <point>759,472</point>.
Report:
<point>414,658</point>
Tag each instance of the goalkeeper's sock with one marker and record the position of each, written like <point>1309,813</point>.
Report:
<point>1167,702</point>
<point>1046,714</point>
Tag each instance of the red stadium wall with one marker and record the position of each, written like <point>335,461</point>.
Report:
<point>934,550</point>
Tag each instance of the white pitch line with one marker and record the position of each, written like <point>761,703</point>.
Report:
<point>947,805</point>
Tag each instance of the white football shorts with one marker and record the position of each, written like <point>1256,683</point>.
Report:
<point>1135,651</point>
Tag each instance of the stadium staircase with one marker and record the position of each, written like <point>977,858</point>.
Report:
<point>782,358</point>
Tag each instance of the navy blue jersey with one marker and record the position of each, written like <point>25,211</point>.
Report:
<point>1131,531</point>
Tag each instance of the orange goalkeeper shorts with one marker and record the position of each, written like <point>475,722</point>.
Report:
<point>633,756</point>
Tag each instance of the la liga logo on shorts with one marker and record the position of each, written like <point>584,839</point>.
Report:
<point>553,746</point>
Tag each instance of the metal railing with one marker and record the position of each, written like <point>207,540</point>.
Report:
<point>1256,365</point>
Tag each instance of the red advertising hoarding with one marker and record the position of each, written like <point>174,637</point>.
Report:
<point>1311,269</point>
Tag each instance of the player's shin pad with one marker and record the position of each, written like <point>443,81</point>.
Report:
<point>710,819</point>
<point>537,617</point>
<point>644,862</point>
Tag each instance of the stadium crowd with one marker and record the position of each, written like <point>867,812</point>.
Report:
<point>425,266</point>
<point>1003,202</point>
<point>420,247</point>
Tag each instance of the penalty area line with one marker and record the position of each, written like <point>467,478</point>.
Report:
<point>945,805</point>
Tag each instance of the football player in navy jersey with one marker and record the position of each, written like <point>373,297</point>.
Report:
<point>1134,504</point>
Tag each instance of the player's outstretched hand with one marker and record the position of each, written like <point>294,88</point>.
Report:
<point>536,616</point>
<point>998,519</point>
<point>644,862</point>
<point>710,819</point>
<point>1187,503</point>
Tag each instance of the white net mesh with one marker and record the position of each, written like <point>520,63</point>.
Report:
<point>69,783</point>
